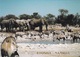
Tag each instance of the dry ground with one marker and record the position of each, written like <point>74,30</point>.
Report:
<point>47,50</point>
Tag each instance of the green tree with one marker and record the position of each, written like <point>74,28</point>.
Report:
<point>36,15</point>
<point>1,18</point>
<point>50,18</point>
<point>62,17</point>
<point>70,19</point>
<point>9,16</point>
<point>24,16</point>
<point>76,18</point>
<point>63,11</point>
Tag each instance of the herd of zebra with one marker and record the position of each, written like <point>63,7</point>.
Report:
<point>50,36</point>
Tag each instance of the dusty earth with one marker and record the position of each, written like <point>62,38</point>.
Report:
<point>29,48</point>
<point>48,50</point>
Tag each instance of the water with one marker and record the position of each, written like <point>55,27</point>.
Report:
<point>51,42</point>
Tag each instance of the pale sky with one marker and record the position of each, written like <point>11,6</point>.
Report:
<point>43,7</point>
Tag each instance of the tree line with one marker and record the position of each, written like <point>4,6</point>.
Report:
<point>63,18</point>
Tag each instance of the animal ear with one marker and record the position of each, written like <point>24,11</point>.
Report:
<point>7,41</point>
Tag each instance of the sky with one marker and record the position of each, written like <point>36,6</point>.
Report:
<point>43,7</point>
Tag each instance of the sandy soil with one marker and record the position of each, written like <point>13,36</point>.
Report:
<point>43,50</point>
<point>48,50</point>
